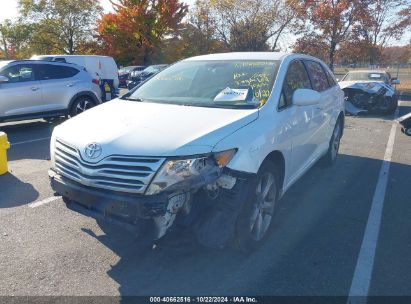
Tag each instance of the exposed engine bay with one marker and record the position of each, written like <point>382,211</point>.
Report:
<point>370,97</point>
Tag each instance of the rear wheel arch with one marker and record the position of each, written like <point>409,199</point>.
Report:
<point>79,95</point>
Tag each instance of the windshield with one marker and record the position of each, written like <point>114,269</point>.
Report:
<point>4,63</point>
<point>151,69</point>
<point>231,84</point>
<point>126,69</point>
<point>364,76</point>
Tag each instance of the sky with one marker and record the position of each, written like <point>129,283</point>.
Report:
<point>9,11</point>
<point>9,8</point>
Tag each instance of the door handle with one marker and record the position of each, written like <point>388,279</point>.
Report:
<point>34,88</point>
<point>70,85</point>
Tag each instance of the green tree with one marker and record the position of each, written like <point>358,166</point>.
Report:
<point>14,39</point>
<point>60,25</point>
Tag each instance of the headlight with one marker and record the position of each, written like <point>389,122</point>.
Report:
<point>184,170</point>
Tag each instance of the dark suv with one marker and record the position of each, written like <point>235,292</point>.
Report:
<point>138,77</point>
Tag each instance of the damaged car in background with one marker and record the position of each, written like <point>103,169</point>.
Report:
<point>209,145</point>
<point>369,92</point>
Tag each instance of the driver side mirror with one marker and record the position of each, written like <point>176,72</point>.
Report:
<point>306,97</point>
<point>3,79</point>
<point>395,81</point>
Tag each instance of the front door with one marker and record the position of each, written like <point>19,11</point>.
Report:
<point>303,122</point>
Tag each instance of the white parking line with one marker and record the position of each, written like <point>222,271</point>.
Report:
<point>363,271</point>
<point>29,141</point>
<point>43,202</point>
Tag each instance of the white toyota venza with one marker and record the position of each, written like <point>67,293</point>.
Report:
<point>209,144</point>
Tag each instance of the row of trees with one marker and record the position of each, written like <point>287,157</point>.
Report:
<point>145,31</point>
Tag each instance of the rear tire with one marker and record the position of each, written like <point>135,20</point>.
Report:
<point>81,105</point>
<point>254,221</point>
<point>66,200</point>
<point>332,153</point>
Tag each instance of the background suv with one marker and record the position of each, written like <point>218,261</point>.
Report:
<point>37,89</point>
<point>137,77</point>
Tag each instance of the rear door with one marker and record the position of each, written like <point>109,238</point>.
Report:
<point>22,94</point>
<point>59,84</point>
<point>323,111</point>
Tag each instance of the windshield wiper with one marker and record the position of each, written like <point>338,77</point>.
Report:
<point>132,99</point>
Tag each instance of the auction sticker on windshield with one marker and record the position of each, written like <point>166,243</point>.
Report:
<point>229,94</point>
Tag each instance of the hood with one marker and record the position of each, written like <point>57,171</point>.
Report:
<point>345,84</point>
<point>152,129</point>
<point>371,87</point>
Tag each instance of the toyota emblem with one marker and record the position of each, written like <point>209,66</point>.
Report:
<point>93,150</point>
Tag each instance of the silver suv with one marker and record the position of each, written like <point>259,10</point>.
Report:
<point>36,89</point>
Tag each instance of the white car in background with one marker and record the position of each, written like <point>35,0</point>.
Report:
<point>369,91</point>
<point>211,142</point>
<point>366,76</point>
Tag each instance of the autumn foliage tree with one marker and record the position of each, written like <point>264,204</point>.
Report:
<point>331,21</point>
<point>137,28</point>
<point>250,25</point>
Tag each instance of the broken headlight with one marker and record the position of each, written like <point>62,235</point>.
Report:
<point>185,170</point>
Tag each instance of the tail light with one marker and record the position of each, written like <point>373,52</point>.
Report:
<point>96,81</point>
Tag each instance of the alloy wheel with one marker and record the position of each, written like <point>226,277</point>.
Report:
<point>335,145</point>
<point>263,207</point>
<point>83,105</point>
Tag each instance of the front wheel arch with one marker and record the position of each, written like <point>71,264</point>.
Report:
<point>277,158</point>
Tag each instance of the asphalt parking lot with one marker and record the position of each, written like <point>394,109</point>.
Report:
<point>316,246</point>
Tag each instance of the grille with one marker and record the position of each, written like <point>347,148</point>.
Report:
<point>116,172</point>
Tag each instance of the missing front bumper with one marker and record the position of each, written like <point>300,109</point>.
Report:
<point>125,207</point>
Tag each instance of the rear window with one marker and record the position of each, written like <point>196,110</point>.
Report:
<point>318,77</point>
<point>49,71</point>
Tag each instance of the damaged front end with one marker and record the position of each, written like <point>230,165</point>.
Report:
<point>199,190</point>
<point>370,97</point>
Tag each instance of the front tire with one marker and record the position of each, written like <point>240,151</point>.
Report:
<point>407,131</point>
<point>254,221</point>
<point>81,105</point>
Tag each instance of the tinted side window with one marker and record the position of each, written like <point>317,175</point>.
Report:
<point>49,71</point>
<point>19,73</point>
<point>318,77</point>
<point>296,78</point>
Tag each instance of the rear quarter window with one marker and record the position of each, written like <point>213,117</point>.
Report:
<point>49,71</point>
<point>317,74</point>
